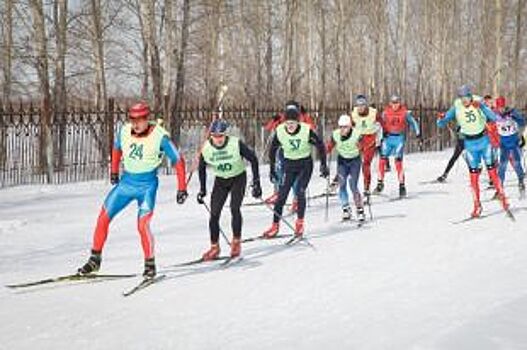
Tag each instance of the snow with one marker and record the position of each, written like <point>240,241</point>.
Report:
<point>411,279</point>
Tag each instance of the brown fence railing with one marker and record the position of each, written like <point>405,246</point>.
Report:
<point>82,137</point>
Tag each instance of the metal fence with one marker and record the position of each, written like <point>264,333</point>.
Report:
<point>82,137</point>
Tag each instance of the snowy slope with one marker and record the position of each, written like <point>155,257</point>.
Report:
<point>408,280</point>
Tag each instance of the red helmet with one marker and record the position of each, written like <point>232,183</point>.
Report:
<point>139,110</point>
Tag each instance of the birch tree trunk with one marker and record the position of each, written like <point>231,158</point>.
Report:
<point>97,39</point>
<point>147,13</point>
<point>8,48</point>
<point>60,9</point>
<point>517,48</point>
<point>41,62</point>
<point>498,48</point>
<point>269,53</point>
<point>60,14</point>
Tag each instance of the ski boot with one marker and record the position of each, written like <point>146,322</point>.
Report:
<point>272,198</point>
<point>360,215</point>
<point>294,206</point>
<point>272,231</point>
<point>299,227</point>
<point>150,268</point>
<point>476,212</point>
<point>92,265</point>
<point>521,186</point>
<point>380,186</point>
<point>402,191</point>
<point>442,178</point>
<point>236,247</point>
<point>213,253</point>
<point>346,213</point>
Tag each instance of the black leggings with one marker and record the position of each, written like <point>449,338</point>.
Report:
<point>222,187</point>
<point>460,145</point>
<point>295,170</point>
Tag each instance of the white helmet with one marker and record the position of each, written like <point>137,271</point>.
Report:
<point>344,120</point>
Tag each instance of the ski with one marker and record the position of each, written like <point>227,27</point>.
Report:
<point>231,261</point>
<point>263,238</point>
<point>431,182</point>
<point>71,277</point>
<point>198,261</point>
<point>470,218</point>
<point>508,214</point>
<point>297,239</point>
<point>146,282</point>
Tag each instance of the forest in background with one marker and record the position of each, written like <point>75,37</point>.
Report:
<point>265,51</point>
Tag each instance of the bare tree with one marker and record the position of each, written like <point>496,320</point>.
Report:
<point>148,21</point>
<point>97,38</point>
<point>60,14</point>
<point>7,43</point>
<point>517,49</point>
<point>498,48</point>
<point>41,63</point>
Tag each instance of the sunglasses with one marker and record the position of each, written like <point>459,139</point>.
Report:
<point>217,136</point>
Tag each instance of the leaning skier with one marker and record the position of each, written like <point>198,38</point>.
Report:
<point>296,139</point>
<point>471,116</point>
<point>346,140</point>
<point>394,120</point>
<point>226,154</point>
<point>141,144</point>
<point>509,121</point>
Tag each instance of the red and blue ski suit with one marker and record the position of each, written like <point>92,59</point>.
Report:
<point>394,124</point>
<point>142,155</point>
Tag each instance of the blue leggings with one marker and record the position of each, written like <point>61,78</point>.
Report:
<point>516,158</point>
<point>348,172</point>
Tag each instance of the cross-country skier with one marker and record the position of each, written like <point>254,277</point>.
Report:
<point>394,120</point>
<point>226,155</point>
<point>367,120</point>
<point>296,139</point>
<point>271,126</point>
<point>141,144</point>
<point>472,116</point>
<point>509,121</point>
<point>346,141</point>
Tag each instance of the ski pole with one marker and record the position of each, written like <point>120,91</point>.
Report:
<point>221,231</point>
<point>279,216</point>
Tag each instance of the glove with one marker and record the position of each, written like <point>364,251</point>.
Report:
<point>181,196</point>
<point>201,195</point>
<point>257,189</point>
<point>114,178</point>
<point>273,176</point>
<point>522,141</point>
<point>324,171</point>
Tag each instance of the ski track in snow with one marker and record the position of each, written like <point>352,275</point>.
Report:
<point>409,279</point>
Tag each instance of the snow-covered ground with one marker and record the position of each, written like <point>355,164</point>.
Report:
<point>411,279</point>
